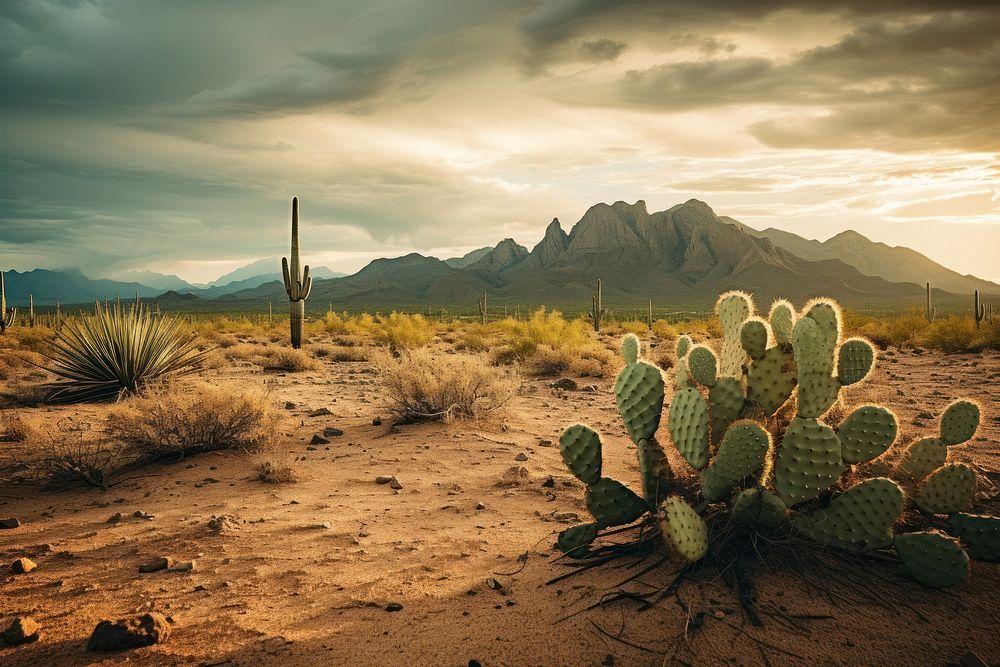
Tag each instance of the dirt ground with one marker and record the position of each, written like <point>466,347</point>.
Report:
<point>305,571</point>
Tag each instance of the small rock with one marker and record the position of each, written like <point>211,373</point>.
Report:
<point>322,412</point>
<point>289,405</point>
<point>139,514</point>
<point>125,633</point>
<point>223,523</point>
<point>609,660</point>
<point>566,384</point>
<point>377,421</point>
<point>549,482</point>
<point>521,457</point>
<point>184,566</point>
<point>494,584</point>
<point>718,613</point>
<point>393,606</point>
<point>394,484</point>
<point>319,440</point>
<point>384,479</point>
<point>22,566</point>
<point>515,476</point>
<point>23,630</point>
<point>115,518</point>
<point>12,522</point>
<point>331,432</point>
<point>157,564</point>
<point>480,506</point>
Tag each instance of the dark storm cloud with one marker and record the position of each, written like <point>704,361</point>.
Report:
<point>931,81</point>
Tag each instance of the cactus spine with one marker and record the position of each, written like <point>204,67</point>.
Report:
<point>483,309</point>
<point>980,310</point>
<point>597,310</point>
<point>931,310</point>
<point>7,317</point>
<point>298,284</point>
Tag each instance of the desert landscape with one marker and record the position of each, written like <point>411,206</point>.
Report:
<point>533,333</point>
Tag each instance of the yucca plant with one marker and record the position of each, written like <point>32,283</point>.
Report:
<point>116,351</point>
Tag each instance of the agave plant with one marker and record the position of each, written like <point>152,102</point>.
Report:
<point>116,351</point>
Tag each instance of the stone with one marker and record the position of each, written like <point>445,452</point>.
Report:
<point>157,564</point>
<point>115,518</point>
<point>12,522</point>
<point>289,405</point>
<point>384,479</point>
<point>377,421</point>
<point>521,457</point>
<point>566,384</point>
<point>223,523</point>
<point>184,566</point>
<point>22,566</point>
<point>331,432</point>
<point>322,412</point>
<point>127,633</point>
<point>22,630</point>
<point>394,484</point>
<point>480,506</point>
<point>393,606</point>
<point>319,440</point>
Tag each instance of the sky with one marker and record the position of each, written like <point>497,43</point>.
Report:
<point>170,135</point>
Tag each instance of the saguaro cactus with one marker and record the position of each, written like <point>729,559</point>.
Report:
<point>6,317</point>
<point>298,284</point>
<point>931,310</point>
<point>649,316</point>
<point>483,314</point>
<point>980,310</point>
<point>597,310</point>
<point>31,311</point>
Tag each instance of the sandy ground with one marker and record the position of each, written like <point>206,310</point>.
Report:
<point>466,547</point>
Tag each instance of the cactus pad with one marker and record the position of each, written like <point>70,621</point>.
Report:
<point>684,530</point>
<point>866,433</point>
<point>759,508</point>
<point>733,309</point>
<point>703,365</point>
<point>808,462</point>
<point>614,504</point>
<point>818,391</point>
<point>688,424</point>
<point>861,518</point>
<point>580,447</point>
<point>932,559</point>
<point>771,379</point>
<point>826,313</point>
<point>855,360</point>
<point>682,374</point>
<point>753,337</point>
<point>922,458</point>
<point>573,540</point>
<point>979,533</point>
<point>782,318</point>
<point>959,422</point>
<point>725,403</point>
<point>630,348</point>
<point>948,489</point>
<point>742,451</point>
<point>683,345</point>
<point>639,394</point>
<point>714,487</point>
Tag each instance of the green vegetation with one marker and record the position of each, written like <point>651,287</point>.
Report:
<point>762,398</point>
<point>116,351</point>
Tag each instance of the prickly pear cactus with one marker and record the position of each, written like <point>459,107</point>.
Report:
<point>935,560</point>
<point>979,533</point>
<point>731,418</point>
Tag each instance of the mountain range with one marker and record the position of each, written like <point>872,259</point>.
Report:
<point>681,258</point>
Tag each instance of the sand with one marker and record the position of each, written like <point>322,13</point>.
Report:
<point>305,572</point>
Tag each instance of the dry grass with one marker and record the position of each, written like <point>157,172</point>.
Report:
<point>191,418</point>
<point>274,468</point>
<point>421,385</point>
<point>954,333</point>
<point>13,428</point>
<point>73,454</point>
<point>272,357</point>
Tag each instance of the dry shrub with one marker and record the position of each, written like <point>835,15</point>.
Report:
<point>421,385</point>
<point>341,353</point>
<point>665,330</point>
<point>516,352</point>
<point>73,454</point>
<point>274,468</point>
<point>13,428</point>
<point>549,361</point>
<point>952,334</point>
<point>273,357</point>
<point>174,421</point>
<point>403,332</point>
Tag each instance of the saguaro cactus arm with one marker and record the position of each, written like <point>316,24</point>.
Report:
<point>7,317</point>
<point>980,310</point>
